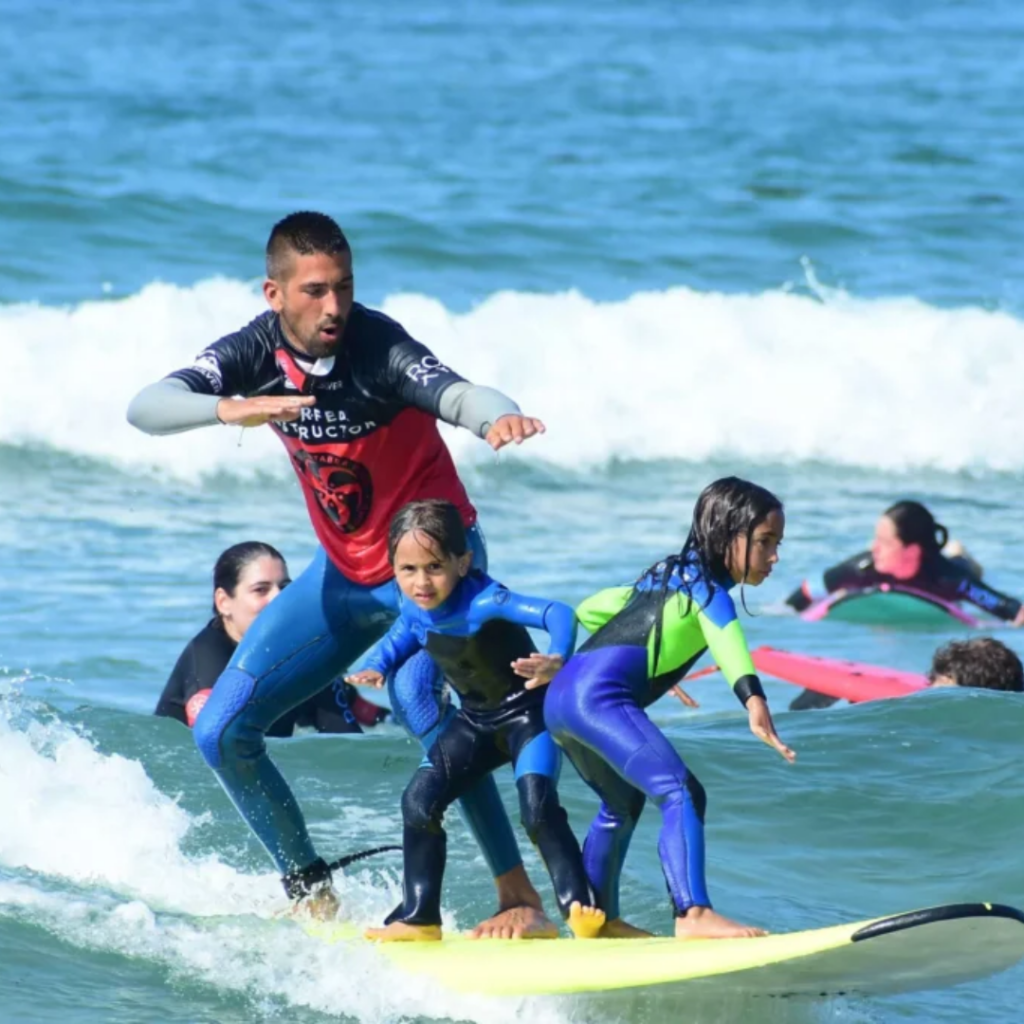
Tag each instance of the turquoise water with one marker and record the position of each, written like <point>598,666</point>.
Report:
<point>775,240</point>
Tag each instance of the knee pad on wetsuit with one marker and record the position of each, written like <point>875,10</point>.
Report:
<point>420,808</point>
<point>231,693</point>
<point>539,806</point>
<point>417,694</point>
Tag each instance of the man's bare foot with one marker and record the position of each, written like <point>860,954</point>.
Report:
<point>517,923</point>
<point>516,890</point>
<point>619,929</point>
<point>399,931</point>
<point>585,922</point>
<point>322,905</point>
<point>705,923</point>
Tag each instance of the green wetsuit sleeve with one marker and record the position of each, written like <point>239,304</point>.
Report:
<point>688,629</point>
<point>728,646</point>
<point>602,607</point>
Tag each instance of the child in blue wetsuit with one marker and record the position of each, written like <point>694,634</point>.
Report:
<point>646,637</point>
<point>475,630</point>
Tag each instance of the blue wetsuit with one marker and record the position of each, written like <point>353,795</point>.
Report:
<point>646,638</point>
<point>474,637</point>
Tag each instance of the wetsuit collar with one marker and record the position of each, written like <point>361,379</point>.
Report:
<point>692,572</point>
<point>310,367</point>
<point>456,598</point>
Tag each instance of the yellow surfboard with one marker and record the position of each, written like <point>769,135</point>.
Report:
<point>931,948</point>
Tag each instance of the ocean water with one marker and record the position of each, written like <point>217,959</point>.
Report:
<point>780,240</point>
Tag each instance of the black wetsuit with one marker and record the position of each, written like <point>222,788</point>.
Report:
<point>951,579</point>
<point>206,656</point>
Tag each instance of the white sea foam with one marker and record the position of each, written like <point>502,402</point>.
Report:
<point>91,852</point>
<point>679,374</point>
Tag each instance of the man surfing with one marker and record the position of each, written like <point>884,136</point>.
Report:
<point>355,401</point>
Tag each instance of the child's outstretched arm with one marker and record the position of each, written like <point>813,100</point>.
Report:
<point>728,646</point>
<point>395,648</point>
<point>556,618</point>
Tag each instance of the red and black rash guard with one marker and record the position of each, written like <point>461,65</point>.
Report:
<point>371,442</point>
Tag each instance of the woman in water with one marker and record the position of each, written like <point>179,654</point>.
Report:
<point>246,578</point>
<point>907,550</point>
<point>645,638</point>
<point>475,630</point>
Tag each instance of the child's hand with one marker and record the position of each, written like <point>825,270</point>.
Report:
<point>537,669</point>
<point>681,695</point>
<point>366,677</point>
<point>762,726</point>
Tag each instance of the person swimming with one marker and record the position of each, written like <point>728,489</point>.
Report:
<point>246,578</point>
<point>645,638</point>
<point>981,663</point>
<point>475,629</point>
<point>907,551</point>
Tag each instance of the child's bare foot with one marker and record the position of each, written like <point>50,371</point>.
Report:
<point>517,923</point>
<point>585,922</point>
<point>619,929</point>
<point>321,905</point>
<point>704,923</point>
<point>399,931</point>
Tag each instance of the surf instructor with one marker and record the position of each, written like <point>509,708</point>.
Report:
<point>355,401</point>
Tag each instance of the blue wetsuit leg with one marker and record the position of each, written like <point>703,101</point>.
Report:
<point>293,650</point>
<point>593,701</point>
<point>314,629</point>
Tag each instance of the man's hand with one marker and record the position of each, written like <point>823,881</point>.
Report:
<point>254,412</point>
<point>513,427</point>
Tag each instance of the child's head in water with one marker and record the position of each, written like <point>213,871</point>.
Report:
<point>736,532</point>
<point>984,663</point>
<point>429,551</point>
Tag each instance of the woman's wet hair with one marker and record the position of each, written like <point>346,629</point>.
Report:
<point>438,520</point>
<point>916,525</point>
<point>233,562</point>
<point>983,662</point>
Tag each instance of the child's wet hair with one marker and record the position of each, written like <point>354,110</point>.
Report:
<point>984,663</point>
<point>438,520</point>
<point>726,509</point>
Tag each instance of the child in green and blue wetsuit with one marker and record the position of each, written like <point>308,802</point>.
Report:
<point>646,637</point>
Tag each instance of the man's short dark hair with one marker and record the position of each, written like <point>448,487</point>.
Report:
<point>985,662</point>
<point>305,233</point>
